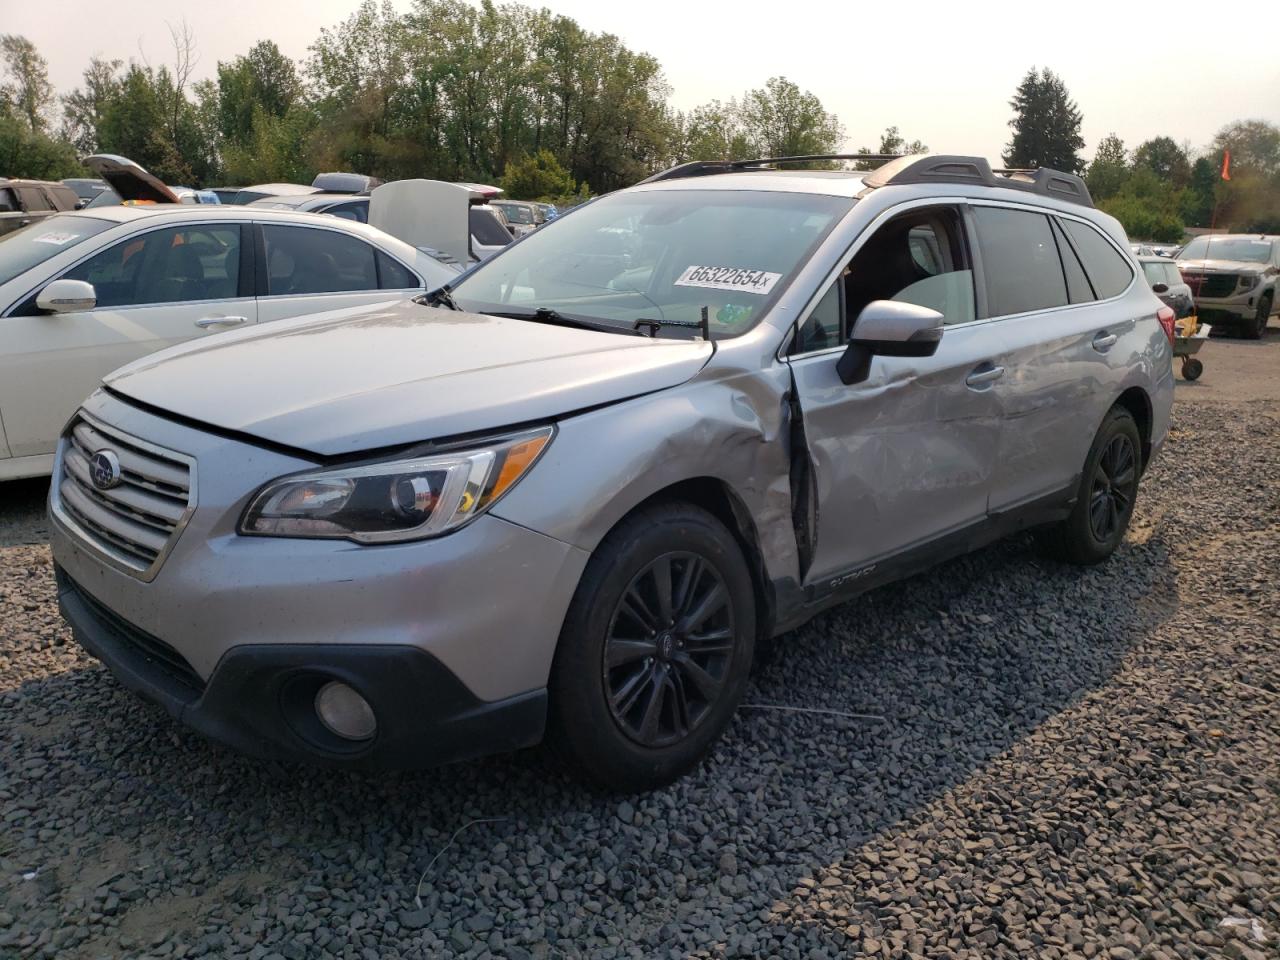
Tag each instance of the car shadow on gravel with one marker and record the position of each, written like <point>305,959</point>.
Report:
<point>22,507</point>
<point>948,670</point>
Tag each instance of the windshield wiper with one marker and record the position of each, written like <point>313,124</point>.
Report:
<point>439,297</point>
<point>556,318</point>
<point>703,325</point>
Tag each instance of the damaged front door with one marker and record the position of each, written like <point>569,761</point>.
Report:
<point>906,455</point>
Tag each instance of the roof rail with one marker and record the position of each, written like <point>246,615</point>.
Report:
<point>946,168</point>
<point>701,168</point>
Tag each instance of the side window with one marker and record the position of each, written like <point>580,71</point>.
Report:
<point>1107,268</point>
<point>1171,275</point>
<point>174,265</point>
<point>822,328</point>
<point>919,257</point>
<point>302,261</point>
<point>1020,261</point>
<point>8,202</point>
<point>33,199</point>
<point>1078,288</point>
<point>359,212</point>
<point>393,276</point>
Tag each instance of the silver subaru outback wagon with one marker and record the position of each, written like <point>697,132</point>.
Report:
<point>568,496</point>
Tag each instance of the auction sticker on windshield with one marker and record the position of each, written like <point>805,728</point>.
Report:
<point>729,278</point>
<point>57,239</point>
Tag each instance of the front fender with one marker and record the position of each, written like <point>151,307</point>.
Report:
<point>730,426</point>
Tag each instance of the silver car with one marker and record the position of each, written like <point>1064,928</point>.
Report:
<point>567,498</point>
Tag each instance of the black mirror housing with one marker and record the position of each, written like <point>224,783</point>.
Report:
<point>888,328</point>
<point>1159,288</point>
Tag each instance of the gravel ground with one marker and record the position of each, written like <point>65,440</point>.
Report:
<point>1067,764</point>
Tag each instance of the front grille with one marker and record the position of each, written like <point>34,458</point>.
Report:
<point>1211,284</point>
<point>146,651</point>
<point>135,522</point>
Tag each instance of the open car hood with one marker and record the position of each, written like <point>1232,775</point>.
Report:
<point>129,180</point>
<point>399,373</point>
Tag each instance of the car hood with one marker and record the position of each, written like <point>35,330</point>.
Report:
<point>1222,266</point>
<point>399,373</point>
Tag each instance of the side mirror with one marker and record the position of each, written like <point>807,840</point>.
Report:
<point>1159,288</point>
<point>889,328</point>
<point>67,296</point>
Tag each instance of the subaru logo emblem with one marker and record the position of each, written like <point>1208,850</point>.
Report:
<point>105,470</point>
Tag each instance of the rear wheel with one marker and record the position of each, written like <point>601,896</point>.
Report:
<point>1255,330</point>
<point>1106,496</point>
<point>655,650</point>
<point>1192,368</point>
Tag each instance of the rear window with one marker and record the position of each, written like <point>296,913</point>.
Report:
<point>33,245</point>
<point>1106,266</point>
<point>1155,273</point>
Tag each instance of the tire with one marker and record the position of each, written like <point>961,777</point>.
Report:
<point>1192,368</point>
<point>1108,489</point>
<point>1255,330</point>
<point>605,721</point>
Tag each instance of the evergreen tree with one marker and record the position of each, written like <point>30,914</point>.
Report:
<point>1046,125</point>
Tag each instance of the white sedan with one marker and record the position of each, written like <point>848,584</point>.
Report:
<point>84,293</point>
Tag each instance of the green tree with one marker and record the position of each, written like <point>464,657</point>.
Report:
<point>32,153</point>
<point>84,107</point>
<point>891,142</point>
<point>713,132</point>
<point>1253,143</point>
<point>263,79</point>
<point>1163,157</point>
<point>1109,168</point>
<point>538,176</point>
<point>1201,193</point>
<point>26,93</point>
<point>1046,125</point>
<point>781,120</point>
<point>1148,206</point>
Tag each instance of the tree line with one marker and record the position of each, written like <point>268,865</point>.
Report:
<point>529,99</point>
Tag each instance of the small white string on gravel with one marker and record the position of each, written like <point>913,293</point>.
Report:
<point>417,897</point>
<point>819,710</point>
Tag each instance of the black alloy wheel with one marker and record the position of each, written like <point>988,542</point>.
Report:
<point>669,649</point>
<point>1115,484</point>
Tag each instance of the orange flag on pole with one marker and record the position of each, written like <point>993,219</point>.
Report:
<point>1226,164</point>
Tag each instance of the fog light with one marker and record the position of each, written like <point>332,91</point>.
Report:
<point>345,712</point>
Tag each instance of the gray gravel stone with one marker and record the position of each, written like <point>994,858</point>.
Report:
<point>1072,763</point>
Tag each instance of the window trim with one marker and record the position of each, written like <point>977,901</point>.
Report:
<point>968,237</point>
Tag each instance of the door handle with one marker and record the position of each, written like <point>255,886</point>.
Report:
<point>1104,341</point>
<point>204,323</point>
<point>983,375</point>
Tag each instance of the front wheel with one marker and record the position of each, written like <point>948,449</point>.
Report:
<point>655,651</point>
<point>1106,496</point>
<point>1255,330</point>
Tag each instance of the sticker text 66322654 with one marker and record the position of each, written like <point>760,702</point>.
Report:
<point>729,278</point>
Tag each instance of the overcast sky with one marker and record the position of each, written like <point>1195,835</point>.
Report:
<point>942,72</point>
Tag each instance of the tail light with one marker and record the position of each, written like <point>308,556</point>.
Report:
<point>1168,319</point>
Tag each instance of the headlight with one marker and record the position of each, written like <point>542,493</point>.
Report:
<point>396,500</point>
<point>1248,282</point>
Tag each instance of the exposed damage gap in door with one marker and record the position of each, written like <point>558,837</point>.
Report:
<point>804,504</point>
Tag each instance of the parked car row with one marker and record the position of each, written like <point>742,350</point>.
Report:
<point>565,492</point>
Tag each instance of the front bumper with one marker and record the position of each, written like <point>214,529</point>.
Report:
<point>259,699</point>
<point>450,640</point>
<point>1229,309</point>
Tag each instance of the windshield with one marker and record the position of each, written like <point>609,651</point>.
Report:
<point>516,213</point>
<point>1251,250</point>
<point>34,244</point>
<point>660,255</point>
